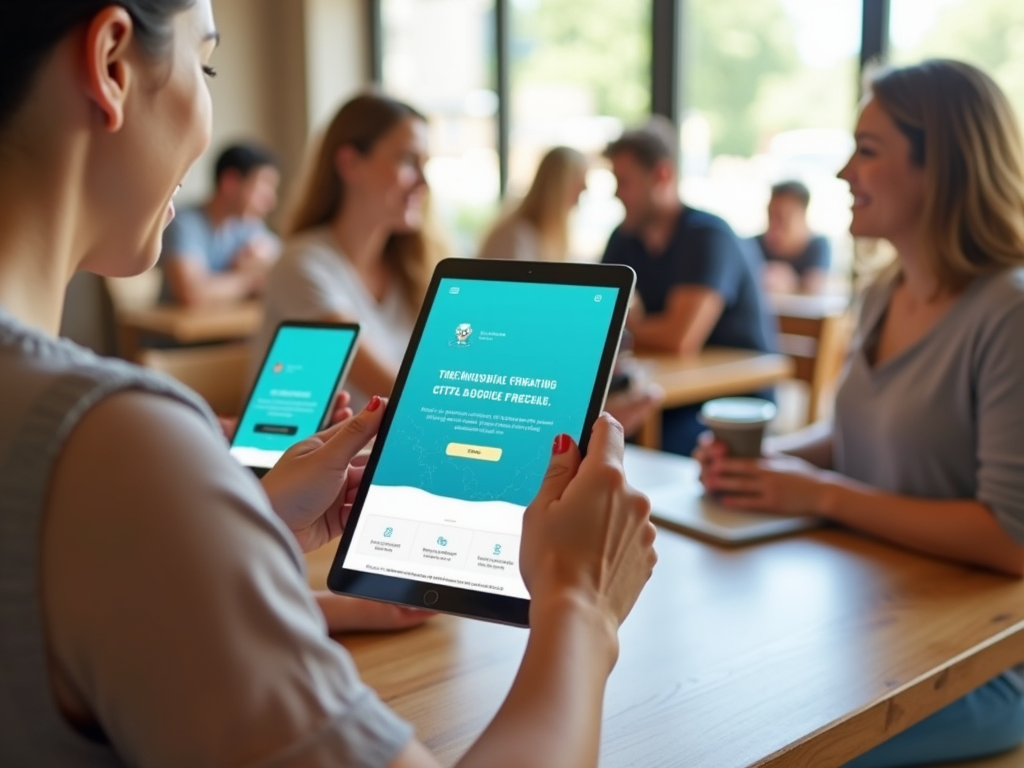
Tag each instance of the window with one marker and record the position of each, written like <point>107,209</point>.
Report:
<point>986,33</point>
<point>440,57</point>
<point>580,72</point>
<point>770,94</point>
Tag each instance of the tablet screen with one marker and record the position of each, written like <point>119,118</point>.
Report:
<point>293,393</point>
<point>500,370</point>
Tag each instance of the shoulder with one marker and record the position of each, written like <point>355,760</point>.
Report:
<point>697,220</point>
<point>996,303</point>
<point>312,251</point>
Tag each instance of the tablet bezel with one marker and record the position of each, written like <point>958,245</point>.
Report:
<point>455,600</point>
<point>342,374</point>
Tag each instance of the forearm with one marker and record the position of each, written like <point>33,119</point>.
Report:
<point>962,530</point>
<point>216,289</point>
<point>554,707</point>
<point>660,333</point>
<point>813,444</point>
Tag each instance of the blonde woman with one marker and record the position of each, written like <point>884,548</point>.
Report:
<point>538,228</point>
<point>926,450</point>
<point>357,247</point>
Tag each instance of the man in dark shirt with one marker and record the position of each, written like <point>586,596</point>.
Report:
<point>795,259</point>
<point>696,284</point>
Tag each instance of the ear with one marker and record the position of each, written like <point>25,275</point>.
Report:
<point>345,159</point>
<point>108,72</point>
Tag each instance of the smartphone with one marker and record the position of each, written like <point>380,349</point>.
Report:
<point>294,393</point>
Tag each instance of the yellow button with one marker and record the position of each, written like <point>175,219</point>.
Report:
<point>473,452</point>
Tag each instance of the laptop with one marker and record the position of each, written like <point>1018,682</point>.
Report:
<point>678,502</point>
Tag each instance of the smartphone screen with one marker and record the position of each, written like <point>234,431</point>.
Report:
<point>501,368</point>
<point>294,392</point>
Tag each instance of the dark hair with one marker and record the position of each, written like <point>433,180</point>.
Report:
<point>30,29</point>
<point>243,158</point>
<point>649,144</point>
<point>795,189</point>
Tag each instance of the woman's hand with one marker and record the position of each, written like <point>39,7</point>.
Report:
<point>352,614</point>
<point>779,484</point>
<point>313,485</point>
<point>228,424</point>
<point>588,534</point>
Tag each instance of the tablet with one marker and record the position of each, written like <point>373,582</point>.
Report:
<point>293,396</point>
<point>504,356</point>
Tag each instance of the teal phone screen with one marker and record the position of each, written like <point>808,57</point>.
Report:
<point>293,393</point>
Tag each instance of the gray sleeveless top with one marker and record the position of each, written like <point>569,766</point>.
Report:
<point>46,387</point>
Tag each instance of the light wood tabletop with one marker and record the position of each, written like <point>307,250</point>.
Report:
<point>188,325</point>
<point>715,372</point>
<point>805,651</point>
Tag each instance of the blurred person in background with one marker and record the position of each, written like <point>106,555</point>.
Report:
<point>537,229</point>
<point>220,251</point>
<point>795,259</point>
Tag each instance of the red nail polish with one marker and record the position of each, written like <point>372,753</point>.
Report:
<point>562,443</point>
<point>374,403</point>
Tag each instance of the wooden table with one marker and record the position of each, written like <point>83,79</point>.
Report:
<point>804,651</point>
<point>187,325</point>
<point>715,372</point>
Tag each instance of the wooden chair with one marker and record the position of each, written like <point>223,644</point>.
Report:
<point>815,332</point>
<point>218,373</point>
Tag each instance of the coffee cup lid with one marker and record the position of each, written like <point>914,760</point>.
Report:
<point>738,411</point>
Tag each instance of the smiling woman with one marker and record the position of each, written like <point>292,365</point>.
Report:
<point>153,602</point>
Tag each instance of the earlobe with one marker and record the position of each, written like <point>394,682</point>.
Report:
<point>108,71</point>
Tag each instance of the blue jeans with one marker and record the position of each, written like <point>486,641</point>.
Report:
<point>986,721</point>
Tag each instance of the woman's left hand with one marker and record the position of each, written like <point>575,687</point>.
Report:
<point>341,411</point>
<point>314,484</point>
<point>782,485</point>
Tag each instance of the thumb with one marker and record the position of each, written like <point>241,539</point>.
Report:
<point>565,461</point>
<point>344,440</point>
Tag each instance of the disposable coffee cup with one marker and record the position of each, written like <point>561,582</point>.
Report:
<point>739,422</point>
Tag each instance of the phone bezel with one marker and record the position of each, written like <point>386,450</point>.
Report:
<point>338,382</point>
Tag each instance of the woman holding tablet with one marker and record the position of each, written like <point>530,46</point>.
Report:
<point>357,246</point>
<point>154,608</point>
<point>926,448</point>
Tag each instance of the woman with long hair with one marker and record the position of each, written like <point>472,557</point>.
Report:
<point>359,246</point>
<point>153,602</point>
<point>926,447</point>
<point>537,229</point>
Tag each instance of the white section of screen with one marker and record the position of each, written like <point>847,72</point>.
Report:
<point>255,457</point>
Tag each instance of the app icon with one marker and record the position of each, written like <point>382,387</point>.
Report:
<point>388,531</point>
<point>497,549</point>
<point>462,333</point>
<point>278,367</point>
<point>442,541</point>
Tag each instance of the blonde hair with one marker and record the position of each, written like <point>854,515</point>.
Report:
<point>547,205</point>
<point>360,123</point>
<point>963,133</point>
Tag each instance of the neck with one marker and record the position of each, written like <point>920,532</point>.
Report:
<point>43,238</point>
<point>361,238</point>
<point>218,210</point>
<point>919,280</point>
<point>657,230</point>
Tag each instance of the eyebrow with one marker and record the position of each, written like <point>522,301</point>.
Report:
<point>866,135</point>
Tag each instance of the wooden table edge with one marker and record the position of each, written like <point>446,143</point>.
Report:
<point>905,706</point>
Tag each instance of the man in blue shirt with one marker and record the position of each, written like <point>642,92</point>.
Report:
<point>221,251</point>
<point>795,259</point>
<point>696,283</point>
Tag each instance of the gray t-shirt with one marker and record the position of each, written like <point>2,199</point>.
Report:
<point>210,651</point>
<point>945,418</point>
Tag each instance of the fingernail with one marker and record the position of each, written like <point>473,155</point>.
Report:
<point>562,443</point>
<point>374,403</point>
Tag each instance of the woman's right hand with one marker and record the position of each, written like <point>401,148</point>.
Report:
<point>588,535</point>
